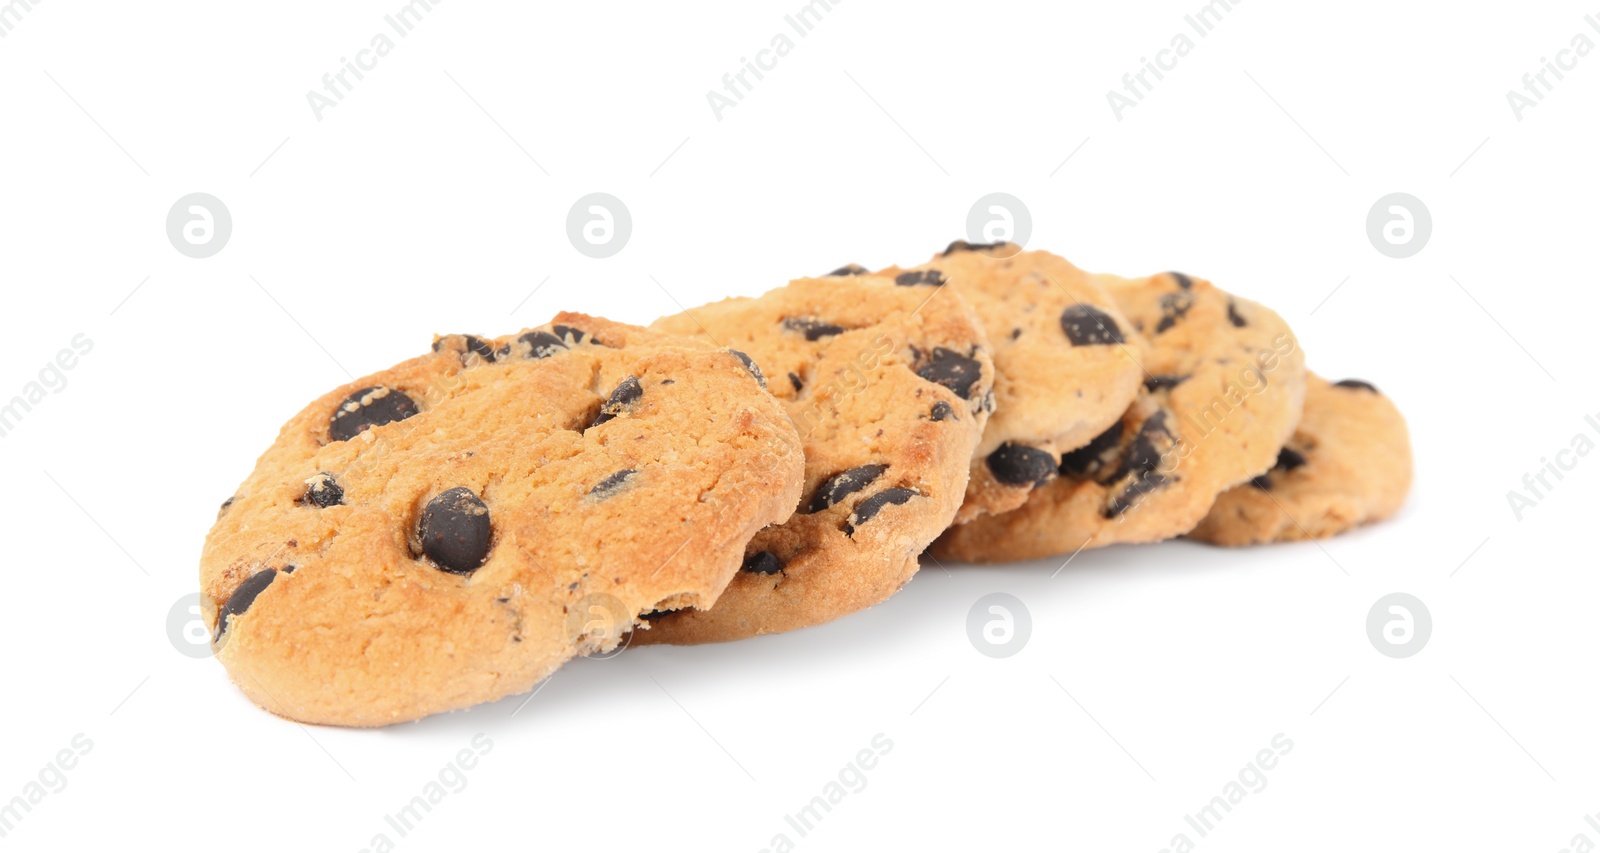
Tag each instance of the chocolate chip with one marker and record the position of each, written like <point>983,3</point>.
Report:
<point>569,333</point>
<point>849,269</point>
<point>941,412</point>
<point>323,491</point>
<point>762,563</point>
<point>1233,315</point>
<point>867,509</point>
<point>223,510</point>
<point>1086,325</point>
<point>455,531</point>
<point>1183,281</point>
<point>243,597</point>
<point>630,391</point>
<point>473,345</point>
<point>842,485</point>
<point>1130,496</point>
<point>750,365</point>
<point>1021,465</point>
<point>964,246</point>
<point>612,484</point>
<point>916,277</point>
<point>952,370</point>
<point>1263,482</point>
<point>542,344</point>
<point>794,380</point>
<point>814,330</point>
<point>1358,385</point>
<point>1149,446</point>
<point>1163,383</point>
<point>1174,307</point>
<point>1288,460</point>
<point>1088,461</point>
<point>373,406</point>
<point>656,614</point>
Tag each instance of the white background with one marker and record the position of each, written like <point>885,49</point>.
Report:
<point>425,204</point>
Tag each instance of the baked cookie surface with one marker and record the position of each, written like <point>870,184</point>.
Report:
<point>1066,362</point>
<point>1348,464</point>
<point>450,530</point>
<point>1224,385</point>
<point>889,389</point>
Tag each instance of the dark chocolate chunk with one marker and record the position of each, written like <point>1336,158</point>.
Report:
<point>952,370</point>
<point>867,509</point>
<point>849,269</point>
<point>762,563</point>
<point>569,333</point>
<point>750,365</point>
<point>474,345</point>
<point>814,330</point>
<point>373,406</point>
<point>1130,496</point>
<point>964,246</point>
<point>630,391</point>
<point>610,485</point>
<point>455,531</point>
<point>794,379</point>
<point>1087,461</point>
<point>1357,384</point>
<point>941,412</point>
<point>916,277</point>
<point>1021,465</point>
<point>223,510</point>
<point>1163,383</point>
<point>243,597</point>
<point>1233,315</point>
<point>542,344</point>
<point>1149,446</point>
<point>1289,459</point>
<point>843,484</point>
<point>1174,307</point>
<point>323,491</point>
<point>1183,281</point>
<point>1086,325</point>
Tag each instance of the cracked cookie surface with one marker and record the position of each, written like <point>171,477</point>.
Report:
<point>1223,388</point>
<point>451,530</point>
<point>890,392</point>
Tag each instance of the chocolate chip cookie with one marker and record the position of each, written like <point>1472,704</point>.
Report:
<point>1066,362</point>
<point>890,391</point>
<point>1224,384</point>
<point>1348,464</point>
<point>452,529</point>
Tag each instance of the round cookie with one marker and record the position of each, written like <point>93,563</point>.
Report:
<point>452,529</point>
<point>1066,363</point>
<point>889,390</point>
<point>1348,464</point>
<point>1225,382</point>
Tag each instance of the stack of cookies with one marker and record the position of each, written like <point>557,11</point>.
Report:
<point>451,530</point>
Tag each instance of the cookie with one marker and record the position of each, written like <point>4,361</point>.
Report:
<point>452,529</point>
<point>1224,385</point>
<point>889,389</point>
<point>1348,464</point>
<point>1066,362</point>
